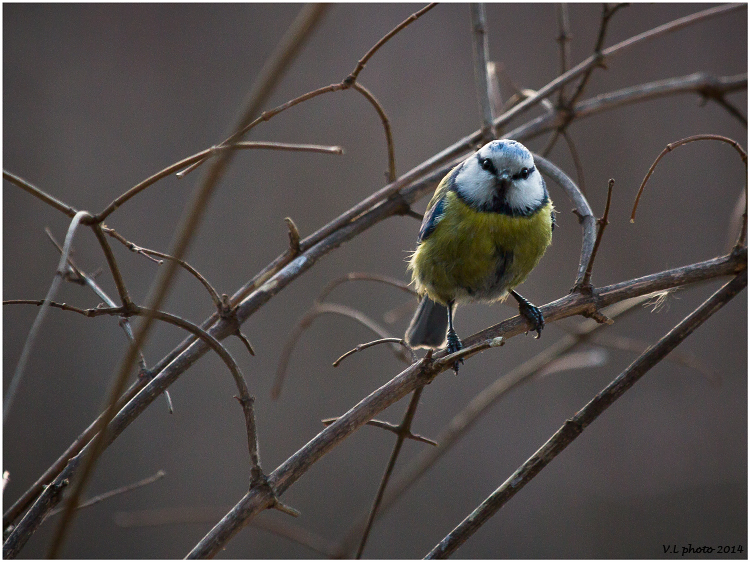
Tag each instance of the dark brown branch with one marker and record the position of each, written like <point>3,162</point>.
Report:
<point>304,323</point>
<point>481,52</point>
<point>390,427</point>
<point>363,61</point>
<point>182,263</point>
<point>113,267</point>
<point>391,175</point>
<point>416,375</point>
<point>119,491</point>
<point>601,224</point>
<point>362,346</point>
<point>670,147</point>
<point>39,194</point>
<point>575,425</point>
<point>404,430</point>
<point>269,76</point>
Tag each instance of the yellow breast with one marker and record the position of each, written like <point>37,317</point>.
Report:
<point>474,255</point>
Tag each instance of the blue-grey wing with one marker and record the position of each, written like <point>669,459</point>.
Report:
<point>431,219</point>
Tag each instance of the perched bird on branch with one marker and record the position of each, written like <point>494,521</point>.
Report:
<point>487,226</point>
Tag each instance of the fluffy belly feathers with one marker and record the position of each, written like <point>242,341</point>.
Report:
<point>475,255</point>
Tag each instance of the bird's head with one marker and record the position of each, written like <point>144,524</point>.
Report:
<point>501,177</point>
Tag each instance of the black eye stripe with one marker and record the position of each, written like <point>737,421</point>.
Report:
<point>487,164</point>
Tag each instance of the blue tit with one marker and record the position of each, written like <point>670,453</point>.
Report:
<point>487,226</point>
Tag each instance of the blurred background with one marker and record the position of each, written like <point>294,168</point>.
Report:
<point>99,97</point>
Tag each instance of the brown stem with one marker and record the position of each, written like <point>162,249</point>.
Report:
<point>582,419</point>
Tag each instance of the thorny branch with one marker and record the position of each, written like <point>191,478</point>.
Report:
<point>574,426</point>
<point>269,77</point>
<point>279,267</point>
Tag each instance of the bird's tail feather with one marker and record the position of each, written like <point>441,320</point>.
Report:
<point>429,326</point>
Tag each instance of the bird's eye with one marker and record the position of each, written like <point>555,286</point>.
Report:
<point>525,173</point>
<point>486,164</point>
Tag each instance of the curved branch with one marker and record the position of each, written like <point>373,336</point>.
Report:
<point>671,146</point>
<point>28,345</point>
<point>420,373</point>
<point>304,323</point>
<point>575,426</point>
<point>582,209</point>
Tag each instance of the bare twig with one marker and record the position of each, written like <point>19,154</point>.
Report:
<point>670,147</point>
<point>113,267</point>
<point>182,263</point>
<point>245,341</point>
<point>574,426</point>
<point>304,323</point>
<point>582,210</point>
<point>119,491</point>
<point>390,427</point>
<point>576,160</point>
<point>39,194</point>
<point>357,276</point>
<point>607,13</point>
<point>28,345</point>
<point>601,224</point>
<point>563,38</point>
<point>363,61</point>
<point>404,430</point>
<point>362,346</point>
<point>391,175</point>
<point>264,84</point>
<point>481,51</point>
<point>201,157</point>
<point>293,237</point>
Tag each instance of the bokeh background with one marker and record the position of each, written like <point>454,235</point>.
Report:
<point>99,97</point>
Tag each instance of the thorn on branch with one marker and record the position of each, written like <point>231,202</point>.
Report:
<point>294,236</point>
<point>260,480</point>
<point>243,339</point>
<point>390,427</point>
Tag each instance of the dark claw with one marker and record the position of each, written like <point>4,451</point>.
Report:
<point>533,316</point>
<point>454,345</point>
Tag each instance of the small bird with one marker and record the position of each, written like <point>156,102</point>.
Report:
<point>486,227</point>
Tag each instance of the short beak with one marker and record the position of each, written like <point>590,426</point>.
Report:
<point>504,179</point>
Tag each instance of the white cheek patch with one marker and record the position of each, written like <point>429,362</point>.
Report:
<point>526,194</point>
<point>476,185</point>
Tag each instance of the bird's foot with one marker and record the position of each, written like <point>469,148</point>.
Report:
<point>454,345</point>
<point>532,314</point>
